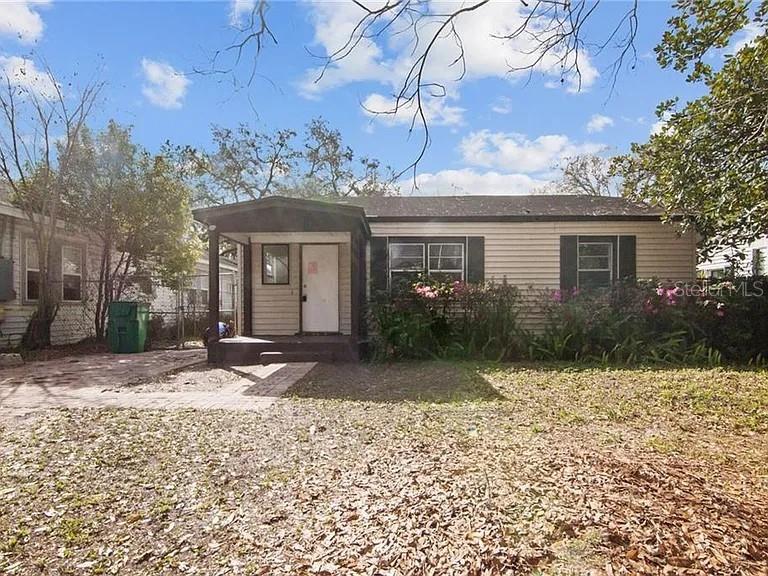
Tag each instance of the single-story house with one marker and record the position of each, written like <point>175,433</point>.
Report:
<point>76,260</point>
<point>726,262</point>
<point>309,267</point>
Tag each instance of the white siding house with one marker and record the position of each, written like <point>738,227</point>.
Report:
<point>76,261</point>
<point>755,262</point>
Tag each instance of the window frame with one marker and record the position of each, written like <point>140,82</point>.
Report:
<point>80,276</point>
<point>27,269</point>
<point>611,257</point>
<point>231,293</point>
<point>391,270</point>
<point>423,256</point>
<point>451,271</point>
<point>264,265</point>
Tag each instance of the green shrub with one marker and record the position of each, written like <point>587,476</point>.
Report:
<point>653,322</point>
<point>449,320</point>
<point>649,322</point>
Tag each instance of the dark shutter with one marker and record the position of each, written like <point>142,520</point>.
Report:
<point>379,265</point>
<point>568,262</point>
<point>476,259</point>
<point>627,258</point>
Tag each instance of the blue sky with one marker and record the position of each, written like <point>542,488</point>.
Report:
<point>493,133</point>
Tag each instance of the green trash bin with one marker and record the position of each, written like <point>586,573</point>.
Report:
<point>127,327</point>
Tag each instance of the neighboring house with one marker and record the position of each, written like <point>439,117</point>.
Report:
<point>76,260</point>
<point>727,262</point>
<point>309,267</point>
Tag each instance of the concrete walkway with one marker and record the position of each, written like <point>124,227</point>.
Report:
<point>104,380</point>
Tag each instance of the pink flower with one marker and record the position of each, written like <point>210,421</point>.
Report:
<point>557,296</point>
<point>427,292</point>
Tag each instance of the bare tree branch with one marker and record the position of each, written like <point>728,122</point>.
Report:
<point>550,35</point>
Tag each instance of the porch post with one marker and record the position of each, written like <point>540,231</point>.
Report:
<point>355,303</point>
<point>213,291</point>
<point>247,284</point>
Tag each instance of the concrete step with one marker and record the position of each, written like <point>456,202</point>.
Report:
<point>296,356</point>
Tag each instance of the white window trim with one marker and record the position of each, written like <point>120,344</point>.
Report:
<point>80,275</point>
<point>446,271</point>
<point>27,269</point>
<point>579,269</point>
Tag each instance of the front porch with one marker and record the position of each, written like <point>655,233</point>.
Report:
<point>242,350</point>
<point>303,276</point>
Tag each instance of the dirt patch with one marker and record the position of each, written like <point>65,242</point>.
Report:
<point>396,382</point>
<point>198,378</point>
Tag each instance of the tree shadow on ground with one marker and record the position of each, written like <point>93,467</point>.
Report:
<point>440,382</point>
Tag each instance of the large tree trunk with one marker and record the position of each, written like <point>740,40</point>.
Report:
<point>104,297</point>
<point>38,332</point>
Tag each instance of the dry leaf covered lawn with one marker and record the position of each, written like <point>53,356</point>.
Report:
<point>423,468</point>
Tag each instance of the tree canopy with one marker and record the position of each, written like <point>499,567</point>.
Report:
<point>248,164</point>
<point>709,161</point>
<point>137,207</point>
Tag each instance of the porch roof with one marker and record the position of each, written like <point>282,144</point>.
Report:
<point>281,214</point>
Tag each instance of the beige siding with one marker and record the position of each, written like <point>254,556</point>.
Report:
<point>345,288</point>
<point>277,309</point>
<point>527,254</point>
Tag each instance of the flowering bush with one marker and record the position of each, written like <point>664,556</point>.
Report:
<point>631,323</point>
<point>449,319</point>
<point>654,322</point>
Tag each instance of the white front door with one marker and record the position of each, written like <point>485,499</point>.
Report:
<point>320,287</point>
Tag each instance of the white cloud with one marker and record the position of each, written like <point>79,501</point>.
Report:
<point>746,36</point>
<point>163,85</point>
<point>23,73</point>
<point>468,181</point>
<point>334,23</point>
<point>387,59</point>
<point>514,152</point>
<point>21,20</point>
<point>239,9</point>
<point>436,110</point>
<point>502,105</point>
<point>598,123</point>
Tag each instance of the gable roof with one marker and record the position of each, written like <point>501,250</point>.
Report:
<point>495,208</point>
<point>472,208</point>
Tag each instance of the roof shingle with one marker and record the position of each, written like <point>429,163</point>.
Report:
<point>503,207</point>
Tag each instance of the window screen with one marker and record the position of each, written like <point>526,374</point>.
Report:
<point>595,264</point>
<point>274,264</point>
<point>72,273</point>
<point>446,261</point>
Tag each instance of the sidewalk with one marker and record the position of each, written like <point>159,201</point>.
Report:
<point>103,381</point>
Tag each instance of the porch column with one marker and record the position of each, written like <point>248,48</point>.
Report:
<point>213,289</point>
<point>247,284</point>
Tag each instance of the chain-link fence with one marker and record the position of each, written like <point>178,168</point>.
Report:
<point>178,317</point>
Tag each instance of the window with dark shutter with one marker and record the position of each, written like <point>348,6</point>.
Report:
<point>596,262</point>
